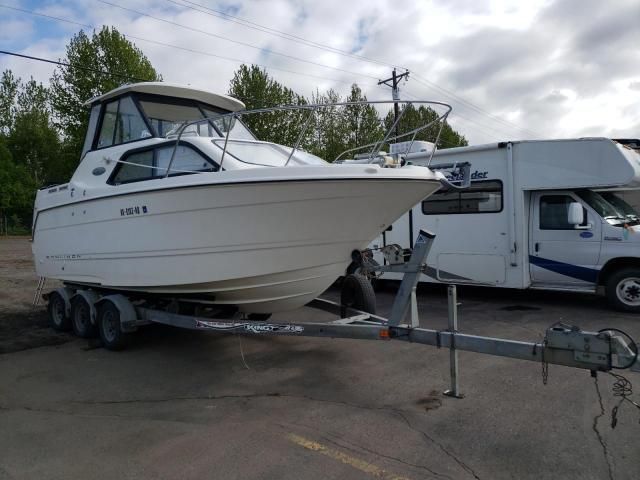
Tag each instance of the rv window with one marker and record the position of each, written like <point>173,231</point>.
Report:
<point>554,212</point>
<point>480,197</point>
<point>152,163</point>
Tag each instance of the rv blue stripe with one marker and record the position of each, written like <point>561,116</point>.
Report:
<point>568,269</point>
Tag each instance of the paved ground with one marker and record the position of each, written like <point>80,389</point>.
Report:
<point>181,404</point>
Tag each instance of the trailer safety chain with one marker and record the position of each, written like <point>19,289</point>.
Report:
<point>622,388</point>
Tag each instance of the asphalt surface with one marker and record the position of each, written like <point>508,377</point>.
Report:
<point>181,404</point>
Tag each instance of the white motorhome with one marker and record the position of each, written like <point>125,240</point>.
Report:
<point>538,214</point>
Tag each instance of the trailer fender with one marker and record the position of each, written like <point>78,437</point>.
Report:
<point>91,298</point>
<point>128,316</point>
<point>66,294</point>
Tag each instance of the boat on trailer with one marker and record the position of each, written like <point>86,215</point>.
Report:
<point>174,196</point>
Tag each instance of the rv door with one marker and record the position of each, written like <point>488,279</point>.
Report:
<point>564,246</point>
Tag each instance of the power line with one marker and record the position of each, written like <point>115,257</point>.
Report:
<point>199,52</point>
<point>290,37</point>
<point>95,70</point>
<point>272,31</point>
<point>238,20</point>
<point>472,106</point>
<point>419,79</point>
<point>222,37</point>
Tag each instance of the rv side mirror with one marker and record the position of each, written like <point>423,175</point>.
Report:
<point>576,214</point>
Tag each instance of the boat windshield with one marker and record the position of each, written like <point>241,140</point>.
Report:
<point>222,124</point>
<point>269,154</point>
<point>166,119</point>
<point>610,212</point>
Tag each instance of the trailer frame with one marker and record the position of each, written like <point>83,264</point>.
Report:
<point>565,345</point>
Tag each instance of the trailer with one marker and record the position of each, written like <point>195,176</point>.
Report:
<point>543,214</point>
<point>115,316</point>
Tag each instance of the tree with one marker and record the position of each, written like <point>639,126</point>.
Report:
<point>330,136</point>
<point>363,122</point>
<point>32,139</point>
<point>17,190</point>
<point>412,118</point>
<point>8,94</point>
<point>253,86</point>
<point>84,78</point>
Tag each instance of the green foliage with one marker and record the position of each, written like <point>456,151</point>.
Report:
<point>334,129</point>
<point>71,86</point>
<point>412,118</point>
<point>32,139</point>
<point>8,93</point>
<point>253,86</point>
<point>17,191</point>
<point>29,148</point>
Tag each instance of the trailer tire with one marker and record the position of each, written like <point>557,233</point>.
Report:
<point>81,318</point>
<point>57,311</point>
<point>109,327</point>
<point>623,290</point>
<point>357,292</point>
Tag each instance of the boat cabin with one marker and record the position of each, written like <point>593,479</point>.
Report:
<point>155,109</point>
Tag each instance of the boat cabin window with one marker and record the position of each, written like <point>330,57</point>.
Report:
<point>153,163</point>
<point>481,197</point>
<point>121,123</point>
<point>166,117</point>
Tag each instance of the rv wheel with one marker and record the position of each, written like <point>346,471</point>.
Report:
<point>623,290</point>
<point>112,336</point>
<point>57,313</point>
<point>358,293</point>
<point>81,318</point>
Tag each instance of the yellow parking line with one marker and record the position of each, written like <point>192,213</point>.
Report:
<point>356,463</point>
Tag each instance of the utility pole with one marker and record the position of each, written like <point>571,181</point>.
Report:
<point>395,79</point>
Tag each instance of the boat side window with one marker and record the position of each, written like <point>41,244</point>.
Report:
<point>151,164</point>
<point>139,167</point>
<point>121,123</point>
<point>554,212</point>
<point>481,197</point>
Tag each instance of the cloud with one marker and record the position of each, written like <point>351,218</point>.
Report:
<point>511,69</point>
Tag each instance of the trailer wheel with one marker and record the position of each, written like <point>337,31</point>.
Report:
<point>111,334</point>
<point>623,290</point>
<point>57,313</point>
<point>81,318</point>
<point>357,292</point>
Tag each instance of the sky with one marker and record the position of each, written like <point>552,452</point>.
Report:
<point>510,69</point>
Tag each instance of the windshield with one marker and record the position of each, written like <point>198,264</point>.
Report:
<point>611,213</point>
<point>620,204</point>
<point>238,129</point>
<point>166,117</point>
<point>265,154</point>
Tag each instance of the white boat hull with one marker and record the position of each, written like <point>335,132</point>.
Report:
<point>263,246</point>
